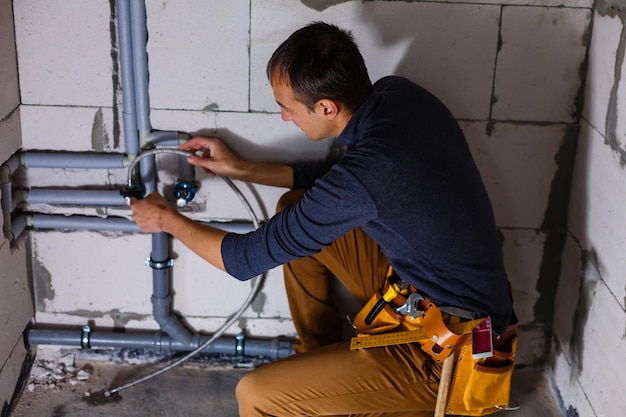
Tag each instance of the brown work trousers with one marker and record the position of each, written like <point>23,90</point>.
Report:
<point>325,377</point>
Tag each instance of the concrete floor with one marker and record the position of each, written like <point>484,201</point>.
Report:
<point>194,389</point>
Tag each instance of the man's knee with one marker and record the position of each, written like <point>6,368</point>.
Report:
<point>246,393</point>
<point>289,198</point>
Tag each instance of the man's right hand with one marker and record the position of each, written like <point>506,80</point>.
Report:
<point>215,158</point>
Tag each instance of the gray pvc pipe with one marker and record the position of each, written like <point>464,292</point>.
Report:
<point>114,224</point>
<point>75,197</point>
<point>77,222</point>
<point>131,140</point>
<point>18,225</point>
<point>74,160</point>
<point>6,194</point>
<point>274,349</point>
<point>159,258</point>
<point>139,41</point>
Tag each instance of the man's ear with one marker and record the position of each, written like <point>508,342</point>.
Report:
<point>330,108</point>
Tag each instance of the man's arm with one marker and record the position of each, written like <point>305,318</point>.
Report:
<point>153,214</point>
<point>218,159</point>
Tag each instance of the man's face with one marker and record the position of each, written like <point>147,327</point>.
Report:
<point>312,122</point>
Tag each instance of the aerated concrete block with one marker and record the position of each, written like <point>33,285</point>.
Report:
<point>9,90</point>
<point>523,254</point>
<point>10,371</point>
<point>198,54</point>
<point>79,129</point>
<point>572,394</point>
<point>539,70</point>
<point>517,164</point>
<point>603,348</point>
<point>597,200</point>
<point>64,52</point>
<point>10,136</point>
<point>396,38</point>
<point>601,76</point>
<point>567,298</point>
<point>16,307</point>
<point>91,274</point>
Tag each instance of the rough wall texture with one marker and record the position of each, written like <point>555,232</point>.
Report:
<point>589,339</point>
<point>16,308</point>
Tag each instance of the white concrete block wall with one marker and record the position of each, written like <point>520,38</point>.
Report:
<point>512,87</point>
<point>588,344</point>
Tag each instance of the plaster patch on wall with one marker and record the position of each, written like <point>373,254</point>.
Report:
<point>42,284</point>
<point>612,138</point>
<point>579,101</point>
<point>99,137</point>
<point>258,304</point>
<point>554,226</point>
<point>242,324</point>
<point>120,320</point>
<point>590,277</point>
<point>211,107</point>
<point>611,8</point>
<point>115,79</point>
<point>321,5</point>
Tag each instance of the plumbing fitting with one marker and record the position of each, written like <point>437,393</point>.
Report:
<point>184,192</point>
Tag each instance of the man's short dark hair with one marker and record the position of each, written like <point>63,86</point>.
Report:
<point>322,61</point>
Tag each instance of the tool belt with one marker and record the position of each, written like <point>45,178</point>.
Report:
<point>398,314</point>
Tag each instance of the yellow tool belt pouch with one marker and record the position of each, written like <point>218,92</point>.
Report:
<point>385,320</point>
<point>482,386</point>
<point>379,317</point>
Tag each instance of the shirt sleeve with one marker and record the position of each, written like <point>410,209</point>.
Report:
<point>336,204</point>
<point>306,173</point>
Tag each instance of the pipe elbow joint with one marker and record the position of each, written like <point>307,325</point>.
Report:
<point>167,322</point>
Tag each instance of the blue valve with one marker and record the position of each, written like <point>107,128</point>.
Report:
<point>184,192</point>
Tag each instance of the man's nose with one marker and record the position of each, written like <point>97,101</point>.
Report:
<point>285,115</point>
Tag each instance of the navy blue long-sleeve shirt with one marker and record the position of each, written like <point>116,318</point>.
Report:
<point>407,178</point>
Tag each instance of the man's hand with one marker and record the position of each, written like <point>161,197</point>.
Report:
<point>150,212</point>
<point>153,214</point>
<point>216,157</point>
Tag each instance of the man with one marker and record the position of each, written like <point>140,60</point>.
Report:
<point>405,194</point>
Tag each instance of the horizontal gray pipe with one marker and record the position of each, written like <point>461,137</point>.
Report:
<point>274,349</point>
<point>75,197</point>
<point>84,160</point>
<point>77,222</point>
<point>60,221</point>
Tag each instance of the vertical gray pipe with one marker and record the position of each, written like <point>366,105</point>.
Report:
<point>6,194</point>
<point>139,38</point>
<point>160,260</point>
<point>17,227</point>
<point>131,140</point>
